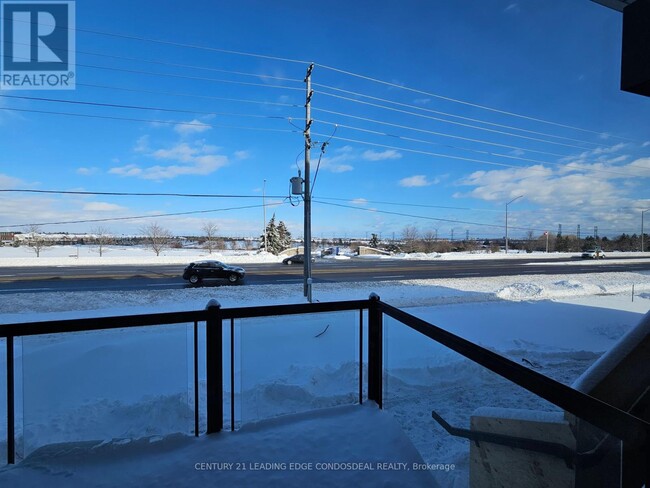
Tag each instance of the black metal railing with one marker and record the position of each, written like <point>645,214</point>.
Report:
<point>634,432</point>
<point>213,316</point>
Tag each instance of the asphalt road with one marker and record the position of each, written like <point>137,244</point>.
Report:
<point>122,277</point>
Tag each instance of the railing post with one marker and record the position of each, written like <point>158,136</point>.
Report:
<point>214,367</point>
<point>11,403</point>
<point>375,351</point>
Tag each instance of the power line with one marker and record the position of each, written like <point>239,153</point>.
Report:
<point>186,77</point>
<point>463,102</point>
<point>135,194</point>
<point>178,44</point>
<point>190,95</point>
<point>138,217</point>
<point>163,109</point>
<point>160,63</point>
<point>488,153</point>
<point>131,119</point>
<point>452,122</point>
<point>414,205</point>
<point>448,156</point>
<point>442,134</point>
<point>400,214</point>
<point>140,107</point>
<point>447,114</point>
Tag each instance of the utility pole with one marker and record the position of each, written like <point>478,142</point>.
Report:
<point>546,234</point>
<point>642,212</point>
<point>516,198</point>
<point>266,249</point>
<point>307,196</point>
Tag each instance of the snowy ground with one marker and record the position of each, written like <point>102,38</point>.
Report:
<point>89,256</point>
<point>117,385</point>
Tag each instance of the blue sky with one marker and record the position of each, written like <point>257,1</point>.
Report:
<point>419,142</point>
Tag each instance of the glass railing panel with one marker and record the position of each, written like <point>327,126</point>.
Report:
<point>297,363</point>
<point>421,376</point>
<point>106,385</point>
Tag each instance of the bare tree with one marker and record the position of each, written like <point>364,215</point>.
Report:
<point>158,238</point>
<point>210,232</point>
<point>530,237</point>
<point>409,236</point>
<point>36,241</point>
<point>429,239</point>
<point>103,238</point>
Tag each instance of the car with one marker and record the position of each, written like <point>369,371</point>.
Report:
<point>198,271</point>
<point>593,254</point>
<point>296,259</point>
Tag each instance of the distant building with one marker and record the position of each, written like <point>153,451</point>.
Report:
<point>6,236</point>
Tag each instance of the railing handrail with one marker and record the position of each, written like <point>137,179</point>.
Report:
<point>100,323</point>
<point>19,329</point>
<point>623,425</point>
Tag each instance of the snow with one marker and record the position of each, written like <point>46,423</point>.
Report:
<point>315,449</point>
<point>124,399</point>
<point>88,255</point>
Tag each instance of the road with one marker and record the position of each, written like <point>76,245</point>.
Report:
<point>123,277</point>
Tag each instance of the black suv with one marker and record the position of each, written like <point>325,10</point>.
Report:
<point>207,270</point>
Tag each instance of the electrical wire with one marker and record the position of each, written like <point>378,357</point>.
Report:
<point>460,158</point>
<point>176,44</point>
<point>140,107</point>
<point>510,134</point>
<point>138,217</point>
<point>447,114</point>
<point>131,119</point>
<point>488,153</point>
<point>133,194</point>
<point>322,153</point>
<point>189,95</point>
<point>400,214</point>
<point>187,77</point>
<point>156,62</point>
<point>463,102</point>
<point>442,134</point>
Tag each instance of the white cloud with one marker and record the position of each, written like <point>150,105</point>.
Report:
<point>191,127</point>
<point>415,181</point>
<point>193,159</point>
<point>371,155</point>
<point>128,170</point>
<point>142,144</point>
<point>645,144</point>
<point>241,155</point>
<point>7,181</point>
<point>102,207</point>
<point>581,196</point>
<point>513,7</point>
<point>359,201</point>
<point>87,171</point>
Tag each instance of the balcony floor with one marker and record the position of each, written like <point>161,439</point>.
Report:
<point>342,446</point>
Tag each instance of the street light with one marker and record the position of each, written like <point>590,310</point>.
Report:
<point>642,212</point>
<point>516,198</point>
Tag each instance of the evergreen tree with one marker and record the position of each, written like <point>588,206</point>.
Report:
<point>284,236</point>
<point>272,237</point>
<point>374,241</point>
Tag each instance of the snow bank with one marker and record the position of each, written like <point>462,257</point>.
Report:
<point>348,446</point>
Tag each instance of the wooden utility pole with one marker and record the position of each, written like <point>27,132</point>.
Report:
<point>307,195</point>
